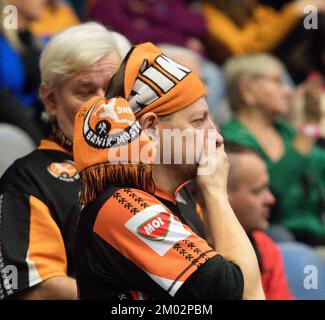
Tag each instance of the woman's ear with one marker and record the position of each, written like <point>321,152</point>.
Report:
<point>246,90</point>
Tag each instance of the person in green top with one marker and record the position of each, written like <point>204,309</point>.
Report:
<point>260,100</point>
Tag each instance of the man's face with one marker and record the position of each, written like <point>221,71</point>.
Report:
<point>187,146</point>
<point>76,90</point>
<point>250,196</point>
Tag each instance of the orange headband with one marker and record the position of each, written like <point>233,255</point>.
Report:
<point>154,82</point>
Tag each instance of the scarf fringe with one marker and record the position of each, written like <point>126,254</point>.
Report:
<point>96,179</point>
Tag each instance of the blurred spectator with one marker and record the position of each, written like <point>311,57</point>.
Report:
<point>19,71</point>
<point>225,114</point>
<point>258,97</point>
<point>19,52</point>
<point>238,27</point>
<point>251,199</point>
<point>56,17</point>
<point>209,73</point>
<point>157,21</point>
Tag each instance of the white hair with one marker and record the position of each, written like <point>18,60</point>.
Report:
<point>74,50</point>
<point>176,51</point>
<point>122,43</point>
<point>247,65</point>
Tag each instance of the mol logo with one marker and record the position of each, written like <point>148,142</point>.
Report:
<point>156,228</point>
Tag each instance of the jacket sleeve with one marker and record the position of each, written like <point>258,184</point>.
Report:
<point>218,279</point>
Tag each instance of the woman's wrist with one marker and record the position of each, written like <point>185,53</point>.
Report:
<point>310,130</point>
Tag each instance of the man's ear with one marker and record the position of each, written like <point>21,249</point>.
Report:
<point>149,123</point>
<point>149,120</point>
<point>48,98</point>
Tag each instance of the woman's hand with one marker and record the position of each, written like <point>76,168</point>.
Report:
<point>308,114</point>
<point>313,91</point>
<point>306,102</point>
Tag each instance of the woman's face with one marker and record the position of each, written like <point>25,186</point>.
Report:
<point>271,93</point>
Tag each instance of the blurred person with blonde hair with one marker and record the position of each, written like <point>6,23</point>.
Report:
<point>260,100</point>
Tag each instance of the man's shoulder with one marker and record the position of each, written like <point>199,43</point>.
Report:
<point>37,168</point>
<point>132,198</point>
<point>119,202</point>
<point>124,208</point>
<point>264,242</point>
<point>20,167</point>
<point>121,199</point>
<point>38,157</point>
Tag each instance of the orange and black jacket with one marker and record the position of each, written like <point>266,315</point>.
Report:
<point>39,211</point>
<point>134,245</point>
